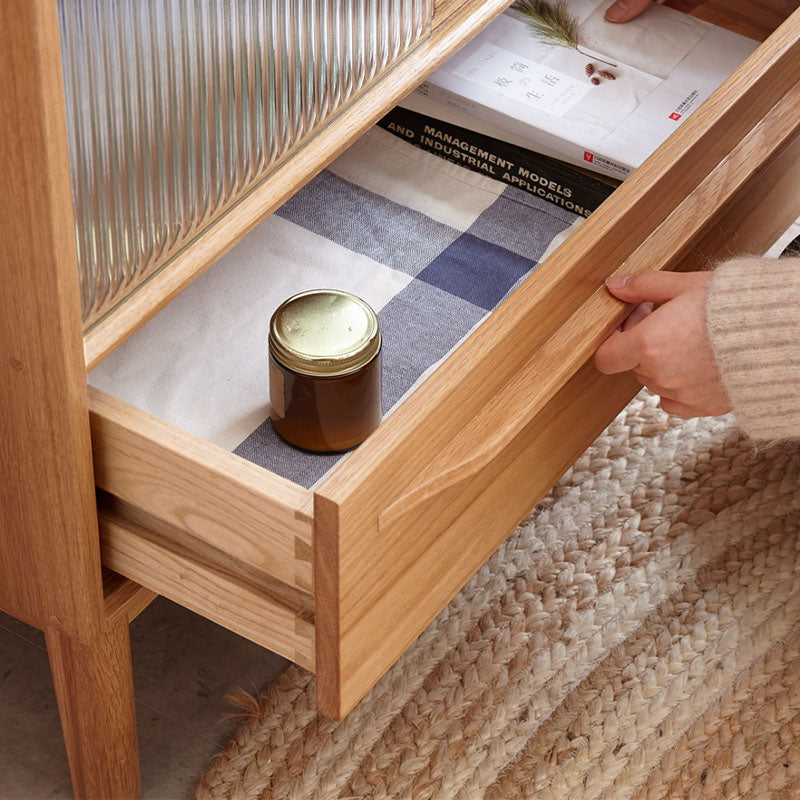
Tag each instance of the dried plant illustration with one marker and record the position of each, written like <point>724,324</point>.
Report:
<point>552,24</point>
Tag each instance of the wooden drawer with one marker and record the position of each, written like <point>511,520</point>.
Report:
<point>342,579</point>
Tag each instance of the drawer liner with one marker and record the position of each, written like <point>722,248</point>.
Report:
<point>433,247</point>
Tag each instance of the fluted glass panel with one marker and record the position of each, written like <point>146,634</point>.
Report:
<point>175,108</point>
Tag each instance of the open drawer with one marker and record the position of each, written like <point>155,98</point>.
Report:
<point>342,579</point>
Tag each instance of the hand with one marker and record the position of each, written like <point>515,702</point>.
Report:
<point>624,10</point>
<point>667,346</point>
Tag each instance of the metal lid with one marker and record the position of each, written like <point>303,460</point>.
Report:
<point>324,332</point>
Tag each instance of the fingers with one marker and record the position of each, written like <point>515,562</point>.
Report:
<point>654,387</point>
<point>655,287</point>
<point>686,410</point>
<point>618,353</point>
<point>624,10</point>
<point>679,409</point>
<point>667,348</point>
<point>683,5</point>
<point>642,311</point>
<point>647,346</point>
<point>687,402</point>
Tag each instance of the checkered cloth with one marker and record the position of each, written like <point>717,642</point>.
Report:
<point>431,246</point>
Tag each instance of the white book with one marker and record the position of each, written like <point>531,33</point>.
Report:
<point>536,95</point>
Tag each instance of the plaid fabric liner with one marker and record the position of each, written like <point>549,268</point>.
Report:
<point>432,247</point>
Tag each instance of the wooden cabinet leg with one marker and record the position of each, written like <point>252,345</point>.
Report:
<point>94,688</point>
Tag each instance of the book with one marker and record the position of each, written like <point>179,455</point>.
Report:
<point>554,181</point>
<point>606,103</point>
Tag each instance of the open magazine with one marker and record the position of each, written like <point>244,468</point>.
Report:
<point>605,103</point>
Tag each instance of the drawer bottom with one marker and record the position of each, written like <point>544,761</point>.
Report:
<point>433,247</point>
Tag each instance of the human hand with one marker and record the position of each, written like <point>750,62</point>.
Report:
<point>624,10</point>
<point>665,341</point>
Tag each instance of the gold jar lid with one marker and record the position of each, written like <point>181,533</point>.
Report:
<point>324,332</point>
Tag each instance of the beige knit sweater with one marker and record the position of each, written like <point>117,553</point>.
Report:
<point>753,315</point>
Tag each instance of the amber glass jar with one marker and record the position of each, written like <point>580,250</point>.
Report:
<point>325,370</point>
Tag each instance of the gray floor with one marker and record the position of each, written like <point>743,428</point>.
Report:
<point>183,666</point>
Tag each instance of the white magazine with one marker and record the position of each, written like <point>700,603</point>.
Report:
<point>539,96</point>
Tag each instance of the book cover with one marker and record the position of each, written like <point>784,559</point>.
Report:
<point>607,100</point>
<point>550,179</point>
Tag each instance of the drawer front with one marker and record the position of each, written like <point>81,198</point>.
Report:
<point>411,515</point>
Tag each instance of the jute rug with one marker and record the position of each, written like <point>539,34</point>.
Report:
<point>637,637</point>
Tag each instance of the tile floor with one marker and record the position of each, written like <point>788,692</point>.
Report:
<point>183,666</point>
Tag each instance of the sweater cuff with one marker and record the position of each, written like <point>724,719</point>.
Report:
<point>753,315</point>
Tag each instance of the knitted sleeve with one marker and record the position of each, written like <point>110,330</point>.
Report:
<point>753,316</point>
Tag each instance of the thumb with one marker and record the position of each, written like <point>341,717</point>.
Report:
<point>624,10</point>
<point>653,287</point>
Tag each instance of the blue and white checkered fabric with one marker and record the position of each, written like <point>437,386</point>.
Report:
<point>431,246</point>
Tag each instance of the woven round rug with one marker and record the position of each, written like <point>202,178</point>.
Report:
<point>638,636</point>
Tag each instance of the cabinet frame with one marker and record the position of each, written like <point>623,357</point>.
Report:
<point>404,522</point>
<point>341,580</point>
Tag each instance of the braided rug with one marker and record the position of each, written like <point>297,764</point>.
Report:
<point>638,636</point>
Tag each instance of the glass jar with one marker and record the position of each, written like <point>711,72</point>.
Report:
<point>325,370</point>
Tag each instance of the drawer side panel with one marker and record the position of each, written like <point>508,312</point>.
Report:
<point>209,583</point>
<point>214,497</point>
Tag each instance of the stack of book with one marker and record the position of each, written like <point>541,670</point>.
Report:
<point>554,181</point>
<point>557,80</point>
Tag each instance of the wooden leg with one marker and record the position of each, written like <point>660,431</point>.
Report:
<point>94,688</point>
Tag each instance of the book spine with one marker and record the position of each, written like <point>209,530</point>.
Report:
<point>552,145</point>
<point>549,179</point>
